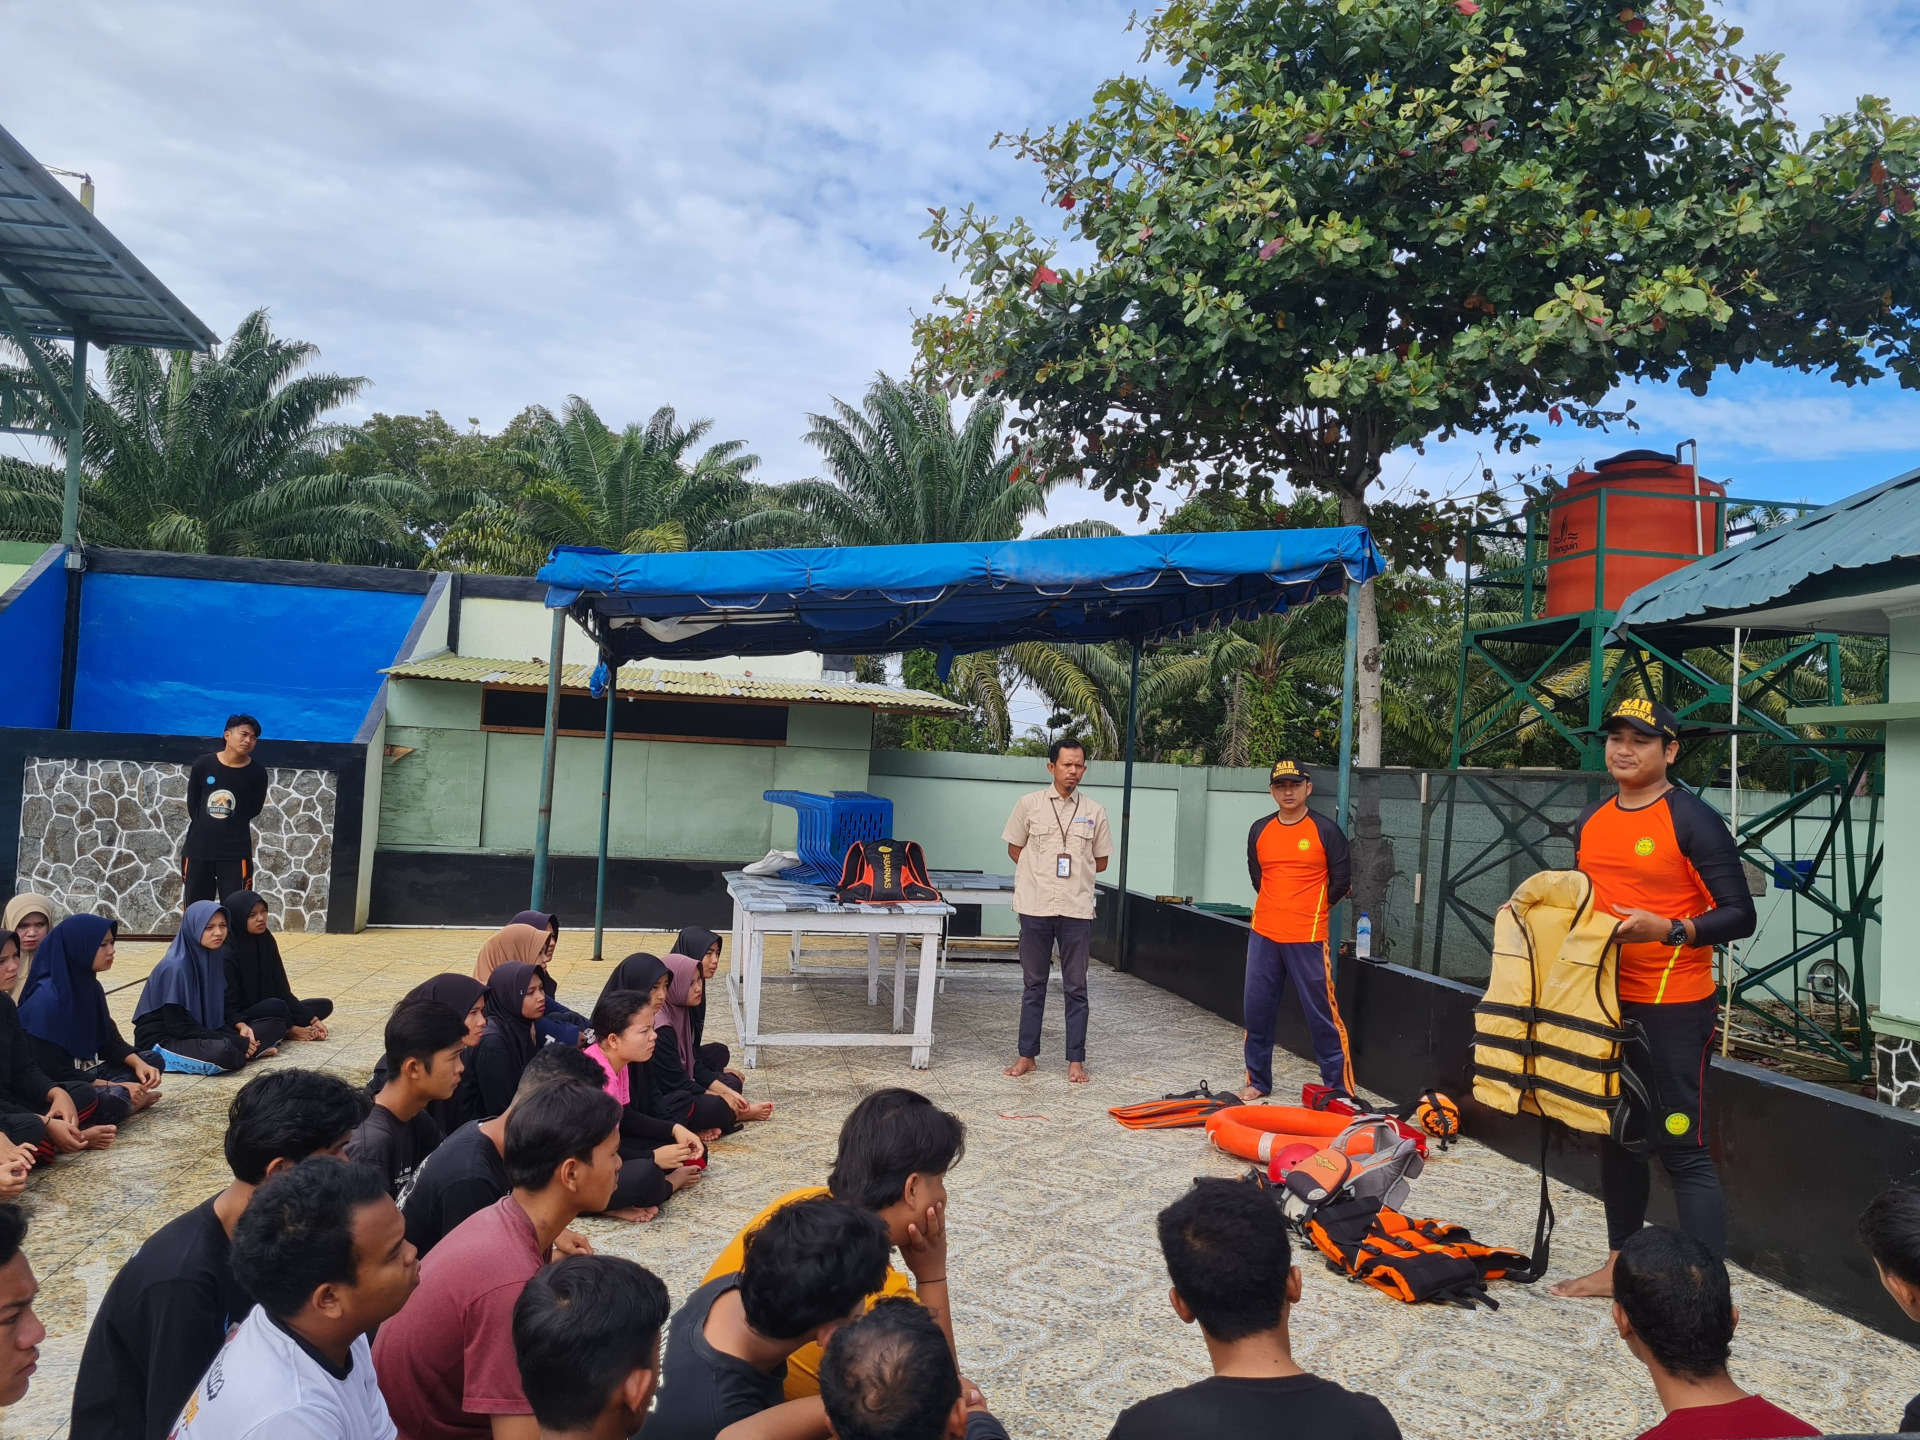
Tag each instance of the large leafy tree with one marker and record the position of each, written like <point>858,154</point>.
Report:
<point>455,470</point>
<point>220,454</point>
<point>1371,222</point>
<point>582,482</point>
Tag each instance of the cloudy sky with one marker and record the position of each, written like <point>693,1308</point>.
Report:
<point>712,206</point>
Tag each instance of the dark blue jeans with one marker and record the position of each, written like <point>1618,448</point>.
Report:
<point>1038,934</point>
<point>1270,964</point>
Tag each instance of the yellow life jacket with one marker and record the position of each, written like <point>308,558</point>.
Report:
<point>1547,1036</point>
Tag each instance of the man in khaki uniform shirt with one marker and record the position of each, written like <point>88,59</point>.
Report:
<point>1059,841</point>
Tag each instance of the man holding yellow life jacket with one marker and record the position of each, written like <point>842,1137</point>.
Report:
<point>1300,868</point>
<point>1662,860</point>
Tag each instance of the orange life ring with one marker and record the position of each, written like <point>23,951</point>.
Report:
<point>1254,1132</point>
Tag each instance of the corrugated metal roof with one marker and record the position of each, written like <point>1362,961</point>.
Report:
<point>682,684</point>
<point>1803,574</point>
<point>61,269</point>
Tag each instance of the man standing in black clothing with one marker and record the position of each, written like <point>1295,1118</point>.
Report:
<point>225,792</point>
<point>1664,862</point>
<point>167,1312</point>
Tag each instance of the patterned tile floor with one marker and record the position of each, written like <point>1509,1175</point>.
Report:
<point>1060,1298</point>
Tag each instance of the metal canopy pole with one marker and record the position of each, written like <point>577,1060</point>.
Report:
<point>606,812</point>
<point>76,446</point>
<point>543,828</point>
<point>1338,919</point>
<point>1126,802</point>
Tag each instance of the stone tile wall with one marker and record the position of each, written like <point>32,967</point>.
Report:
<point>1896,1067</point>
<point>104,836</point>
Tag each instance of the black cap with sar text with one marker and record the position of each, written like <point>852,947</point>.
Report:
<point>1288,770</point>
<point>1646,717</point>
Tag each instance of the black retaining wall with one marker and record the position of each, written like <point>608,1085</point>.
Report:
<point>423,888</point>
<point>1799,1162</point>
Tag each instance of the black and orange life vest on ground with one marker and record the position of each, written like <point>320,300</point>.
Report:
<point>1414,1261</point>
<point>884,872</point>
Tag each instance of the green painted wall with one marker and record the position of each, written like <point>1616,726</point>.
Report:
<point>461,788</point>
<point>1899,905</point>
<point>435,704</point>
<point>16,558</point>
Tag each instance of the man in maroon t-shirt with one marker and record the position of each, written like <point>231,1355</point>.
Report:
<point>446,1362</point>
<point>1674,1307</point>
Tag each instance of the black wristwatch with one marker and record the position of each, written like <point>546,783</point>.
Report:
<point>1677,933</point>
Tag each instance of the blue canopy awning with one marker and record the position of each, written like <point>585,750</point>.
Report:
<point>952,599</point>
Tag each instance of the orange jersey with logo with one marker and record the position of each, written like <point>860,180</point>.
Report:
<point>1298,872</point>
<point>1651,859</point>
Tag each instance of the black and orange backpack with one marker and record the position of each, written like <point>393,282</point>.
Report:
<point>884,872</point>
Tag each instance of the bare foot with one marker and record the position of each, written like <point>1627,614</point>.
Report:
<point>300,1032</point>
<point>1598,1284</point>
<point>267,1054</point>
<point>1077,1073</point>
<point>97,1137</point>
<point>1247,1095</point>
<point>141,1099</point>
<point>1025,1065</point>
<point>634,1214</point>
<point>685,1177</point>
<point>761,1110</point>
<point>709,1136</point>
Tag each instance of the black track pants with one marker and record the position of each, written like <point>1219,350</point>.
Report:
<point>1673,1065</point>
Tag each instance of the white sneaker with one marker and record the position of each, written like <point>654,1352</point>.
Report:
<point>772,864</point>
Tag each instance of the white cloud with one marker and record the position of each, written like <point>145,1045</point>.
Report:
<point>485,204</point>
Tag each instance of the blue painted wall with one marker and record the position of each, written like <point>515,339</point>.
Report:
<point>165,656</point>
<point>30,633</point>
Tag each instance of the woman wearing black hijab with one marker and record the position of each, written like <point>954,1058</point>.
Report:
<point>561,1024</point>
<point>257,987</point>
<point>516,999</point>
<point>697,942</point>
<point>642,973</point>
<point>466,996</point>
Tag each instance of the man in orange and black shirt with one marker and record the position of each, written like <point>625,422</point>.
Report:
<point>1299,866</point>
<point>1663,860</point>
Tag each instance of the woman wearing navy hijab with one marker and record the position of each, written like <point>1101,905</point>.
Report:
<point>63,1011</point>
<point>183,1010</point>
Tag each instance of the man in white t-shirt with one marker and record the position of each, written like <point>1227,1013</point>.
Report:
<point>323,1250</point>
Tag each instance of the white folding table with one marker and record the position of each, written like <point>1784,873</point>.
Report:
<point>764,904</point>
<point>968,887</point>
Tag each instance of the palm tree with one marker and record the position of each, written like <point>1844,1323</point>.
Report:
<point>585,483</point>
<point>904,474</point>
<point>224,454</point>
<point>217,454</point>
<point>1089,684</point>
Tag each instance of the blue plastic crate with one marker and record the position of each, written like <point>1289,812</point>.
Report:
<point>829,824</point>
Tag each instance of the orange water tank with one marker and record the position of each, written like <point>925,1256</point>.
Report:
<point>1674,532</point>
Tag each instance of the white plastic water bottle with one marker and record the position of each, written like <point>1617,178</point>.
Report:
<point>1363,937</point>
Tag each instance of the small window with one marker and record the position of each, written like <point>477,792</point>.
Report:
<point>637,717</point>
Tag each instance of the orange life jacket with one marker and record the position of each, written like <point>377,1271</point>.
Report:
<point>1414,1261</point>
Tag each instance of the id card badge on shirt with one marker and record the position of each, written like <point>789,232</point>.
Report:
<point>1063,866</point>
